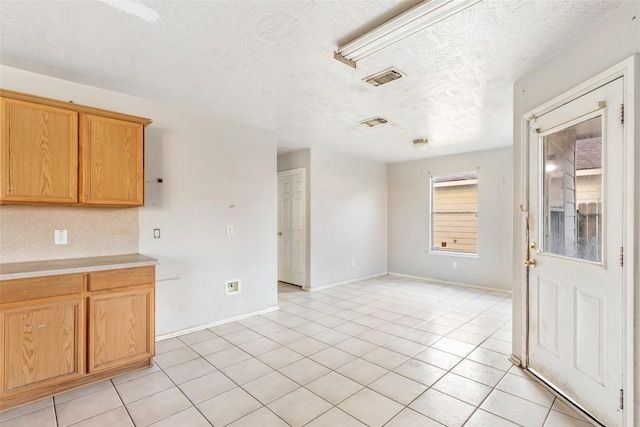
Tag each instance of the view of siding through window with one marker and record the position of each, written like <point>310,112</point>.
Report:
<point>573,191</point>
<point>454,214</point>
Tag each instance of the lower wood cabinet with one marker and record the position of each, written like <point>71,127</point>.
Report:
<point>119,329</point>
<point>58,334</point>
<point>49,337</point>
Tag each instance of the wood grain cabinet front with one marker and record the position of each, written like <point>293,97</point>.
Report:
<point>38,153</point>
<point>58,333</point>
<point>111,157</point>
<point>52,152</point>
<point>42,335</point>
<point>41,345</point>
<point>121,317</point>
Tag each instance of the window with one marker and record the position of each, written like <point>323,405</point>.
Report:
<point>454,213</point>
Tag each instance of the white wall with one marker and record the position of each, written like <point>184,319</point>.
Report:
<point>207,166</point>
<point>348,218</point>
<point>409,222</point>
<point>610,41</point>
<point>346,215</point>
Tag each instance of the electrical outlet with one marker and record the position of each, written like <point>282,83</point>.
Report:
<point>60,237</point>
<point>353,263</point>
<point>454,265</point>
<point>229,230</point>
<point>156,233</point>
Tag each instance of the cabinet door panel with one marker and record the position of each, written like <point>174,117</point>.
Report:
<point>111,170</point>
<point>41,342</point>
<point>39,153</point>
<point>120,328</point>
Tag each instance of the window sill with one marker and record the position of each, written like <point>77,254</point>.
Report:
<point>453,254</point>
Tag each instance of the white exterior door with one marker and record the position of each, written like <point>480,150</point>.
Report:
<point>291,227</point>
<point>575,328</point>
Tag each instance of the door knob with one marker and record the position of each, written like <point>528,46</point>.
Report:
<point>530,263</point>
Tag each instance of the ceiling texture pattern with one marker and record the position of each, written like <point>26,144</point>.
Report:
<point>270,64</point>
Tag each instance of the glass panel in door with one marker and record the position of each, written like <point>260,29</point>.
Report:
<point>572,191</point>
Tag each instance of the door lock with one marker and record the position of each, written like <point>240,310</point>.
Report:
<point>530,263</point>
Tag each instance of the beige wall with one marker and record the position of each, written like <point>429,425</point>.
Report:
<point>27,232</point>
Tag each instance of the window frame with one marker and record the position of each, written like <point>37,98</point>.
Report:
<point>433,250</point>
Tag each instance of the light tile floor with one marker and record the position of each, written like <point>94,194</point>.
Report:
<point>387,352</point>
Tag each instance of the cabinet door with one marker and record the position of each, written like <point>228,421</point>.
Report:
<point>121,328</point>
<point>38,153</point>
<point>41,344</point>
<point>111,162</point>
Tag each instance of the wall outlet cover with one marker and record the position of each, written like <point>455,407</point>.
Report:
<point>60,237</point>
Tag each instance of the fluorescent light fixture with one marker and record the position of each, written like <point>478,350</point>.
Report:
<point>400,27</point>
<point>134,8</point>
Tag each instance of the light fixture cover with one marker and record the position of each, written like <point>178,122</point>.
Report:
<point>374,121</point>
<point>420,144</point>
<point>400,27</point>
<point>383,77</point>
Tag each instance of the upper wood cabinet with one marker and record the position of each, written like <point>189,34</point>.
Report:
<point>39,153</point>
<point>53,152</point>
<point>111,158</point>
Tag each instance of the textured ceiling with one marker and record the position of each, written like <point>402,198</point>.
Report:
<point>269,64</point>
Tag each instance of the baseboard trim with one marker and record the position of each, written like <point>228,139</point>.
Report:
<point>219,322</point>
<point>447,282</point>
<point>331,285</point>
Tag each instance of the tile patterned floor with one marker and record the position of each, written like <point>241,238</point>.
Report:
<point>387,352</point>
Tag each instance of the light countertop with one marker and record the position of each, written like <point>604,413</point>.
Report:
<point>23,270</point>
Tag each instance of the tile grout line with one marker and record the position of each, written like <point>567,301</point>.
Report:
<point>122,401</point>
<point>379,299</point>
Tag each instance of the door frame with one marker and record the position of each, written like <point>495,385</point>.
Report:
<point>628,70</point>
<point>305,225</point>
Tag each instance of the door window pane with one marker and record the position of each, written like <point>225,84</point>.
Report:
<point>572,191</point>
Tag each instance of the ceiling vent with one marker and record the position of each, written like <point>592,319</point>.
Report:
<point>383,77</point>
<point>374,122</point>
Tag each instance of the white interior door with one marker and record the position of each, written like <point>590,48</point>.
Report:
<point>575,239</point>
<point>291,227</point>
